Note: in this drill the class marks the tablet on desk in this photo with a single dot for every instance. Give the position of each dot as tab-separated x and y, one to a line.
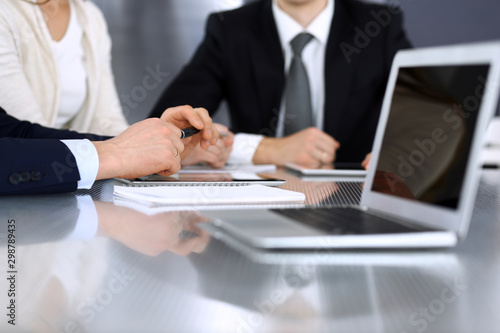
205	179
335	170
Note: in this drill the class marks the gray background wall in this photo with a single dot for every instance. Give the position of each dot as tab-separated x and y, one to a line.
163	34
440	22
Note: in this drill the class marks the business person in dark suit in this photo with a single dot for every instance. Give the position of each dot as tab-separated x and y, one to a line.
36	159
246	58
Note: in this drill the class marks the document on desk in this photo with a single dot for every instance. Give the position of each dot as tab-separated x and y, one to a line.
201	197
229	168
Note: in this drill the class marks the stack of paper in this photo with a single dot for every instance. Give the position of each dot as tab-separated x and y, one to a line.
200	197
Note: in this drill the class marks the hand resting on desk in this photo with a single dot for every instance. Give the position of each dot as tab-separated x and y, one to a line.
310	147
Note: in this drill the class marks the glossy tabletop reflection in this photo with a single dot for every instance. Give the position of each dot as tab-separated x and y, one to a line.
79	263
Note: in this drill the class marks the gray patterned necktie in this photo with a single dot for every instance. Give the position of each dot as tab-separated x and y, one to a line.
298	107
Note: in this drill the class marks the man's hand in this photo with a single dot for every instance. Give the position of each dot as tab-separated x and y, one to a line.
185	116
310	147
154	145
146	147
215	156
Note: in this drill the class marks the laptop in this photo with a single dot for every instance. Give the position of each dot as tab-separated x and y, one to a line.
420	189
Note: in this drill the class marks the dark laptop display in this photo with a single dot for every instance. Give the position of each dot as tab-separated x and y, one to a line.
429	133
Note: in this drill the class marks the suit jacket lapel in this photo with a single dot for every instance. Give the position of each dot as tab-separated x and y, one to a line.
267	67
338	72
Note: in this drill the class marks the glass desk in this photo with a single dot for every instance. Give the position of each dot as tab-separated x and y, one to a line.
82	264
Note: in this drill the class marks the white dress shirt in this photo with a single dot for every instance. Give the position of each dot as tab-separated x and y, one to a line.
87	161
313	57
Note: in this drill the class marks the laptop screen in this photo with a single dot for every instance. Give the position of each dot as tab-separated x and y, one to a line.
429	133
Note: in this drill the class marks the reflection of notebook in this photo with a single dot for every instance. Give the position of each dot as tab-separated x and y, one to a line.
421	186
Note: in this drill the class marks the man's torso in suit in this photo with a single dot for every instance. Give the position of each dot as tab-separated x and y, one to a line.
240	60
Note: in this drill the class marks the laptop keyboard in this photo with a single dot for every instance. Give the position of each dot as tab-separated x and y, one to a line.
345	221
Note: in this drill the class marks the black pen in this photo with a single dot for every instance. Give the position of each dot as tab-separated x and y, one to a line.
187	132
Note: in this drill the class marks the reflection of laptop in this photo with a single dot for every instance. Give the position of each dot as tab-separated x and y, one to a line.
421	185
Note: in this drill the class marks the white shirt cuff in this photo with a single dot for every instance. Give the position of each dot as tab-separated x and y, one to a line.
244	148
87	161
87	223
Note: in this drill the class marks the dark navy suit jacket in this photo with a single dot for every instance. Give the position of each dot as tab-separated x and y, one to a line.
33	160
240	60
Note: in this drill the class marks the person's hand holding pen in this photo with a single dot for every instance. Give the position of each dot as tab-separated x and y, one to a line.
154	145
184	117
216	155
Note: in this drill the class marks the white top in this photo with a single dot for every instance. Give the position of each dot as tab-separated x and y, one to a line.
313	57
70	61
30	81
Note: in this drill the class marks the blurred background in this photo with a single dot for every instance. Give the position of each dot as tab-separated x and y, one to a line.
161	35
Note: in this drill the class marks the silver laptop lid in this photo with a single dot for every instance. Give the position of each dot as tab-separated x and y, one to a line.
425	162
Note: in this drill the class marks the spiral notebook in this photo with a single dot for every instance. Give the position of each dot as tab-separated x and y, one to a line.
199	196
